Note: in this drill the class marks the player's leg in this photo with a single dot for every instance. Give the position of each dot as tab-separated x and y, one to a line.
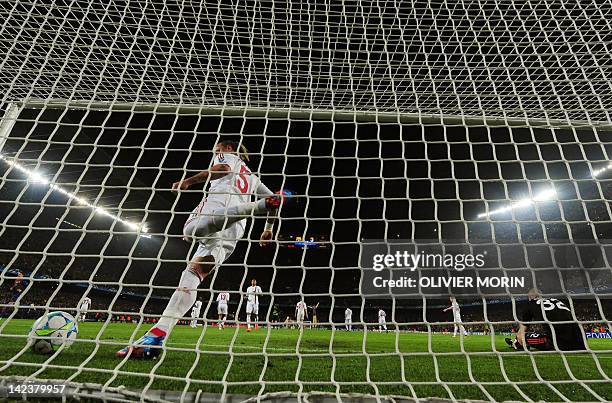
224	317
185	295
300	319
533	340
181	301
193	319
256	314
249	311
216	218
459	323
455	330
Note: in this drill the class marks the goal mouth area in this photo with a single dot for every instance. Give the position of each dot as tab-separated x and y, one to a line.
493	119
337	120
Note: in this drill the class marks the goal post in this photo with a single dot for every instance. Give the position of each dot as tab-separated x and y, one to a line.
324	269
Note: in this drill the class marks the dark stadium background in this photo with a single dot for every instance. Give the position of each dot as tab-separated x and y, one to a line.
352	181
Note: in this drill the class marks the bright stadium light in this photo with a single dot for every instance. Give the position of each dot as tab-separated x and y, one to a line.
600	171
548	194
37	177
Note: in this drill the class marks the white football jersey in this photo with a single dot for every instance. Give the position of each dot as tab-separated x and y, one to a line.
222	298
253	294
237	186
197	305
301	306
381	314
348	313
455	306
85	303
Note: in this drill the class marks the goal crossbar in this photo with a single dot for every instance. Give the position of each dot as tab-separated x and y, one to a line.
318	114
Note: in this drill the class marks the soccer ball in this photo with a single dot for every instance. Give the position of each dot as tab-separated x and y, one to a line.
51	331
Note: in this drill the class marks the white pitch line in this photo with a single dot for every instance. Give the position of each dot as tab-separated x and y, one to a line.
250	347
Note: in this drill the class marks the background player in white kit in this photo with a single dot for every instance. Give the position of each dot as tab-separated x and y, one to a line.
252	308
382	320
195	313
222	300
456	316
348	318
216	224
300	313
83	308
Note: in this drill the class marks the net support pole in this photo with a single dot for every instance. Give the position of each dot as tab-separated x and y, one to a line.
8	122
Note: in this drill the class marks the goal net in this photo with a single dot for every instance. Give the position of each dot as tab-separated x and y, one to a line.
474	133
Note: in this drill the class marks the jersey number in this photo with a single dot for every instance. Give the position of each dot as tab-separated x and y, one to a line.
241	183
550	304
222	297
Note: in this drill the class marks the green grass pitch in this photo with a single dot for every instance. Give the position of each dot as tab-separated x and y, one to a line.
384	363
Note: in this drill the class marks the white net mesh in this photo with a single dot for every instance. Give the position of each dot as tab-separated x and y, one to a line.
388	120
546	59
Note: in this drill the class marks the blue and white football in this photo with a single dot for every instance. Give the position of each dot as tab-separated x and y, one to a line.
51	331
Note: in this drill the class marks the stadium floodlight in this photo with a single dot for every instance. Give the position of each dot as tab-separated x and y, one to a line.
600	171
37	177
545	195
33	176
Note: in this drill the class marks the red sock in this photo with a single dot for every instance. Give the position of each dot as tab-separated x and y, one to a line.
157	332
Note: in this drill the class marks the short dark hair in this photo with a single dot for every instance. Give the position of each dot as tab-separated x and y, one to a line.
237	146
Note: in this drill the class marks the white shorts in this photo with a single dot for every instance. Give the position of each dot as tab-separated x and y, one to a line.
300	316
222	309
195	314
252	308
347	320
382	321
218	244
457	318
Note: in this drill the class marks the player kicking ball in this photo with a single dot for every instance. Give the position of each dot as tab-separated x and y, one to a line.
252	308
222	300
217	223
568	335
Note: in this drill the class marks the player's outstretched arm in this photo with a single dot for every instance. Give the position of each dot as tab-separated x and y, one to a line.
268	232
215	172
